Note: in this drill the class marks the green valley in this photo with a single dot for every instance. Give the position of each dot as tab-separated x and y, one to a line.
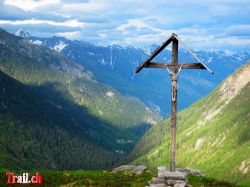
57	119
55	115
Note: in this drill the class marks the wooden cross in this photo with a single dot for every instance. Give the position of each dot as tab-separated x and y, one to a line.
174	66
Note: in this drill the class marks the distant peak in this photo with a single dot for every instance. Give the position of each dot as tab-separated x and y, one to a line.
22	33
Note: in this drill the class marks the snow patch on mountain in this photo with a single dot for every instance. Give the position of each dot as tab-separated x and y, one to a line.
147	50
102	61
22	33
37	42
91	53
60	46
2	42
210	59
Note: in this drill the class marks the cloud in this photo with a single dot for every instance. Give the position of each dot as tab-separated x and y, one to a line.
70	23
9	12
239	30
77	9
74	1
30	4
202	24
69	35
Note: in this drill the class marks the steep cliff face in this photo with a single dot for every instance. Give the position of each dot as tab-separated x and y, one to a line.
213	134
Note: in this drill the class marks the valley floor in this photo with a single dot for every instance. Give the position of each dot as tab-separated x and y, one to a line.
106	178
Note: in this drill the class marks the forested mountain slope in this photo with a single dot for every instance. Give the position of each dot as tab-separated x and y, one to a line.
68	99
36	134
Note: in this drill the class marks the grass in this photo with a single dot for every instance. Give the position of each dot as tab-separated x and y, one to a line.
197	181
103	178
224	152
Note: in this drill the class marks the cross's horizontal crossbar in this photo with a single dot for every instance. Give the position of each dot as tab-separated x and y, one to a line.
179	65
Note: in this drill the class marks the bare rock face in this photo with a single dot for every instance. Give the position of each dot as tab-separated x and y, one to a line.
234	83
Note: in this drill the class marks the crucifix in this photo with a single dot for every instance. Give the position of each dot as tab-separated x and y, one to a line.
174	66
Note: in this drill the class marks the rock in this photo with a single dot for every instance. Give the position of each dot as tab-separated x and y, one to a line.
130	168
172	182
196	172
158	185
158	181
176	175
180	185
139	169
123	168
161	172
169	179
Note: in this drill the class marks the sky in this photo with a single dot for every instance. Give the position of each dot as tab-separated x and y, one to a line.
204	24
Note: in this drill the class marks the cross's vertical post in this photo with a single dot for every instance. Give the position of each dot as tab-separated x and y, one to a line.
173	104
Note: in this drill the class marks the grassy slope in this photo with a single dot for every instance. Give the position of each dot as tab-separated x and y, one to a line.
219	146
106	178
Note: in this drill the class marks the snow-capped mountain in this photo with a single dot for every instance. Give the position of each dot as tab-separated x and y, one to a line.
22	33
115	65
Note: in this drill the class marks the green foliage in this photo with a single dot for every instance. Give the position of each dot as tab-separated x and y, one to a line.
212	135
56	113
198	181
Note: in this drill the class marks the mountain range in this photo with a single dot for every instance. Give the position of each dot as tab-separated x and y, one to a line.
115	65
74	105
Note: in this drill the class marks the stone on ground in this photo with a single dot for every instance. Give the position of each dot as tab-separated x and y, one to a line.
176	175
169	179
139	169
130	168
161	172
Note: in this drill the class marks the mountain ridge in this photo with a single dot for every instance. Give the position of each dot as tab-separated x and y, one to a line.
115	65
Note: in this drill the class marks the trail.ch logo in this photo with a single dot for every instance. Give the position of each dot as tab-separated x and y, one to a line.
24	179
